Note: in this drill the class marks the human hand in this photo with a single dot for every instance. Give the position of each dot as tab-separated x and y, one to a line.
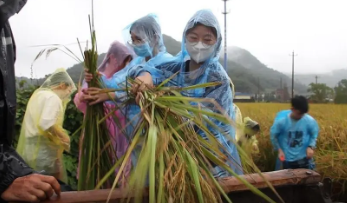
142	84
309	152
137	90
31	188
95	96
99	98
91	91
82	96
281	155
88	76
66	146
66	139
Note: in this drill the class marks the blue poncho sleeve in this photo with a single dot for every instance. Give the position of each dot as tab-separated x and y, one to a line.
275	131
313	131
225	133
222	95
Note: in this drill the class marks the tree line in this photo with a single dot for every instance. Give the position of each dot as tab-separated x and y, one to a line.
321	93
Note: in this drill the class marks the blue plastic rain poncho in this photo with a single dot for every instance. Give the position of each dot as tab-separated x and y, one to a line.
210	71
145	37
293	136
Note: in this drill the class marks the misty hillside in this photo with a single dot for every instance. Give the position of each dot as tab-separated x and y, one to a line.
269	78
172	46
244	57
74	72
244	69
331	79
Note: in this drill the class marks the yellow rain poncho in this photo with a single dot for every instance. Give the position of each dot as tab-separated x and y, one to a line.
239	123
42	139
245	132
245	136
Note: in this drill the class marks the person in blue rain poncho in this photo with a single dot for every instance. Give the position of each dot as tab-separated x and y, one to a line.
197	63
293	135
145	38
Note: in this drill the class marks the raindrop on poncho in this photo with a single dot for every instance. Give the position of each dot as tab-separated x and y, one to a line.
42	139
210	71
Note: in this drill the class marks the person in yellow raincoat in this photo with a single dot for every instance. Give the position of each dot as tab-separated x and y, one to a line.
246	130
42	139
246	137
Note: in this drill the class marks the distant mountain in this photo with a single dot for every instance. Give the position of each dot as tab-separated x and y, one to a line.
244	69
331	79
244	57
269	79
172	46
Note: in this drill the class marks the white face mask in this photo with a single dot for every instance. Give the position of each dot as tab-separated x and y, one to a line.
199	52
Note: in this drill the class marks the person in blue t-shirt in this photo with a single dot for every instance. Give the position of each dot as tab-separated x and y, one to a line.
294	134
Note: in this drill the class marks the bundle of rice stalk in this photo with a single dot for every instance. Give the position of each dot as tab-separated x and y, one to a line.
175	162
97	152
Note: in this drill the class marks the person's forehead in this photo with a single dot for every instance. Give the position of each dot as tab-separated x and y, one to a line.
201	30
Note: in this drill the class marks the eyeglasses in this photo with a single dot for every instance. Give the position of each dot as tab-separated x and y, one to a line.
194	40
136	42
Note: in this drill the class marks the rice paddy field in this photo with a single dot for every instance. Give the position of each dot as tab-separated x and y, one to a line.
330	155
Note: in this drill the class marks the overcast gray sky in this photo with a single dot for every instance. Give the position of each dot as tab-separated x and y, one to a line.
269	29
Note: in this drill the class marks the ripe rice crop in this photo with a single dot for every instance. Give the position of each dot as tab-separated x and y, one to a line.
330	155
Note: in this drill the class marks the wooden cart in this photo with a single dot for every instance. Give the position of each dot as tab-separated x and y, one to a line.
294	186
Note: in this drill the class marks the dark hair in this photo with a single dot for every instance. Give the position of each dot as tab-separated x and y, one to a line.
252	126
127	59
300	103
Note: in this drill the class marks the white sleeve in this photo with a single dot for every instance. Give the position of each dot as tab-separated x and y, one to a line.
50	111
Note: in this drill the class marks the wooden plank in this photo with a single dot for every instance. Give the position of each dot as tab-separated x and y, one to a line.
276	178
229	184
95	196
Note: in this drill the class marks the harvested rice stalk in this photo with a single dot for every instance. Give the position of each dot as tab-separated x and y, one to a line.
175	162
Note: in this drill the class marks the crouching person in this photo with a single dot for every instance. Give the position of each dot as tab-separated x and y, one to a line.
251	129
42	139
246	132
